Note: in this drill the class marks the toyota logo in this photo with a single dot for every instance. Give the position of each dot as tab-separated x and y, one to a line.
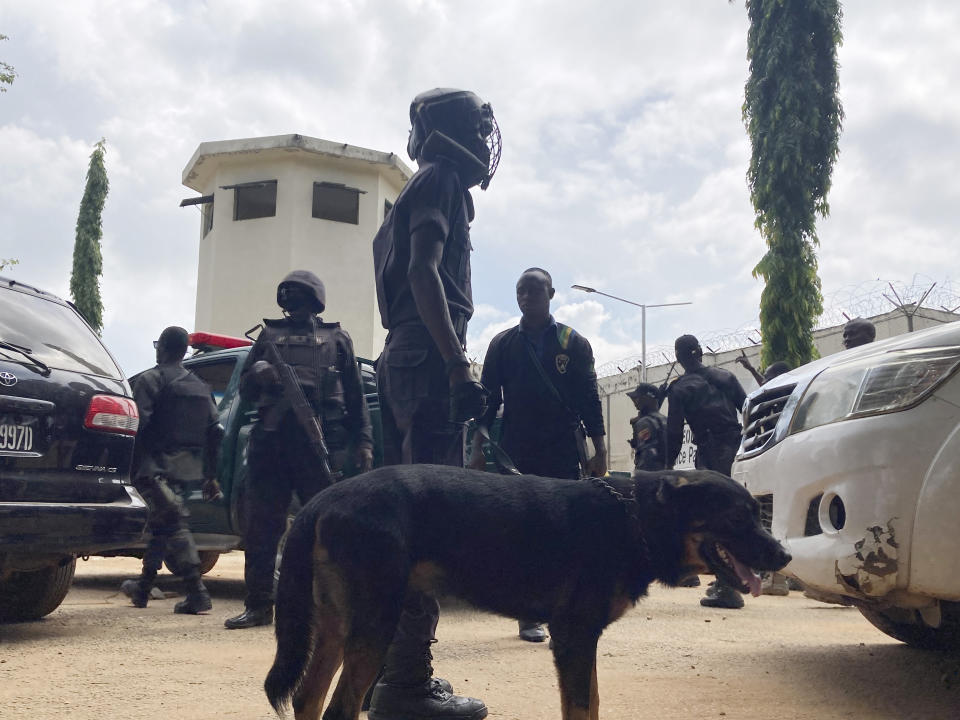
8	379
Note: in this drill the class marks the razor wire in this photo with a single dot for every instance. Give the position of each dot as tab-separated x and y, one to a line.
867	299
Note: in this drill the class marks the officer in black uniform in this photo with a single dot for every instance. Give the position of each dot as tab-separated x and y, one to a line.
708	399
177	444
649	439
542	371
422	262
280	458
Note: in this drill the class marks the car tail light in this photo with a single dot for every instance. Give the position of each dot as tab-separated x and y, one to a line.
112	413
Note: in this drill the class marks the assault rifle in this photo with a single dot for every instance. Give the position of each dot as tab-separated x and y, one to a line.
293	394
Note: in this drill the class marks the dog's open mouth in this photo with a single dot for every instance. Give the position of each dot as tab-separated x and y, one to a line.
730	570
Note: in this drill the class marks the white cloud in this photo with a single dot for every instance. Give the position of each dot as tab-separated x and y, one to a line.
624	151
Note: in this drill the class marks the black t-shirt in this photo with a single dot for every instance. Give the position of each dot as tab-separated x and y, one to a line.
434	196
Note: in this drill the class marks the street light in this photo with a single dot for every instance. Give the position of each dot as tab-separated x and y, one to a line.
643	323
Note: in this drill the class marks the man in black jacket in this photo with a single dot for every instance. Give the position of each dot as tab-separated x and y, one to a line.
542	372
177	444
708	399
279	455
649	438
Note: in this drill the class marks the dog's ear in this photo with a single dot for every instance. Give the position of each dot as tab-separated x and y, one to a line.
669	485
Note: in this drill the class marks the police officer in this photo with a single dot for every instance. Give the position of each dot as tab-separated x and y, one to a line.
773	370
649	439
542	371
280	458
422	262
177	444
858	332
708	399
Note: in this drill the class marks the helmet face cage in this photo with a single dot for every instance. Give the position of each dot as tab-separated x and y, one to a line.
466	119
490	132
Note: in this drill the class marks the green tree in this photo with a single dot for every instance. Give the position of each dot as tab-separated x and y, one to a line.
7	73
793	117
87	259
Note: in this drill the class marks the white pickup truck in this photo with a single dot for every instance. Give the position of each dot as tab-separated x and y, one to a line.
856	461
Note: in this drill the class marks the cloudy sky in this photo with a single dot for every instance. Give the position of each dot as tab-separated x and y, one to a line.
624	150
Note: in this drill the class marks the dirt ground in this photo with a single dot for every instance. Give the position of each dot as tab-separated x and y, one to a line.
782	658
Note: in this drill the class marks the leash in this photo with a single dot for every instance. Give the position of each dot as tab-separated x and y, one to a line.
631	507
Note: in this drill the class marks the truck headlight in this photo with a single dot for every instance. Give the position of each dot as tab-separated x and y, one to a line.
879	384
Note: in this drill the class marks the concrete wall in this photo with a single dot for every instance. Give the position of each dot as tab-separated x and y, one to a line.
618	408
241	262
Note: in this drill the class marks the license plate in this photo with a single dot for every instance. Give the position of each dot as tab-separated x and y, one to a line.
17	435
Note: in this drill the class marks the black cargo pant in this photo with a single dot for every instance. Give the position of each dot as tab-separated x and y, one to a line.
167	524
279	463
717	451
414	406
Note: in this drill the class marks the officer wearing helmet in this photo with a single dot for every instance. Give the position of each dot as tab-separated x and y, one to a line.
280	459
649	439
177	444
427	392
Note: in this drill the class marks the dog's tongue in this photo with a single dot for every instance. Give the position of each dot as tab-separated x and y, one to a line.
749	577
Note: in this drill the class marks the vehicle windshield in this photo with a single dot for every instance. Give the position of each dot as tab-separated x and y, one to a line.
53	333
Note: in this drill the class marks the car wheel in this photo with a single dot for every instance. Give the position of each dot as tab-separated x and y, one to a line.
906	625
208	558
30	595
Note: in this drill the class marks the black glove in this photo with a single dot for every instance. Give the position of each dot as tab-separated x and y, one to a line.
265	375
468	401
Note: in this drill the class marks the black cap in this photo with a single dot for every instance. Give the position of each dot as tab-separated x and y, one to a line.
645	390
686	346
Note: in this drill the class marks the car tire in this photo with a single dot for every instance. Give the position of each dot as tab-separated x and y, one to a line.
31	595
905	624
208	558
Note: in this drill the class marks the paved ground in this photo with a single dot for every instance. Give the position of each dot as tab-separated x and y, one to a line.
780	658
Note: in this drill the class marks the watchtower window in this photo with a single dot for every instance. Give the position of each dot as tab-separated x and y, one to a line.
333	201
254	200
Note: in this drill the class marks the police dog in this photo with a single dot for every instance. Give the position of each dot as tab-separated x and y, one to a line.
573	554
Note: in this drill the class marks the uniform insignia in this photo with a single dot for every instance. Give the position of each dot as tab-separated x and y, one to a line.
643	435
562	362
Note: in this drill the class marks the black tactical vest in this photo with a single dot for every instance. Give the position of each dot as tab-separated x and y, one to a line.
314	355
181	413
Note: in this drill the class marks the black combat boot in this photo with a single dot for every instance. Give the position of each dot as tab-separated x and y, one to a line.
722	596
134	590
251	617
197	600
532	631
408	691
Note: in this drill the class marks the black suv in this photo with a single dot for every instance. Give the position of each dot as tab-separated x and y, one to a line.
67	427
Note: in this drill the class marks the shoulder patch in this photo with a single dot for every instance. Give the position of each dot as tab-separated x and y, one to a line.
564	334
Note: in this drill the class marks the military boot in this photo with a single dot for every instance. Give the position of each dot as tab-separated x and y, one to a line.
197	600
408	690
532	631
135	590
426	701
723	596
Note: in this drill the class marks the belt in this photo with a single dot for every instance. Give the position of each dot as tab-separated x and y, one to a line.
459	322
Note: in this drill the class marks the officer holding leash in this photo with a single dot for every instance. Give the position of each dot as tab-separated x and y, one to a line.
177	444
543	373
427	392
708	399
286	449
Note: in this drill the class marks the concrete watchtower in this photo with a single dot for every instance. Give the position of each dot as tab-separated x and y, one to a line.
270	205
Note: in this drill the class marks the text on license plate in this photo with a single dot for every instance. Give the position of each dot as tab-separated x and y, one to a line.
16	437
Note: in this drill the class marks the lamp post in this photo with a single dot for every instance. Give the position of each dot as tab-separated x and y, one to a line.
643	320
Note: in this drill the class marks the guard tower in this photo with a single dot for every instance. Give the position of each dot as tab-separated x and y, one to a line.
270	205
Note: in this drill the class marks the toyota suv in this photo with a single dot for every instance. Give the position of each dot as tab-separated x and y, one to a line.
855	459
67	427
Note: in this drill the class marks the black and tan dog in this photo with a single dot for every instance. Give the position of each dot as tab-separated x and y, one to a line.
574	554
